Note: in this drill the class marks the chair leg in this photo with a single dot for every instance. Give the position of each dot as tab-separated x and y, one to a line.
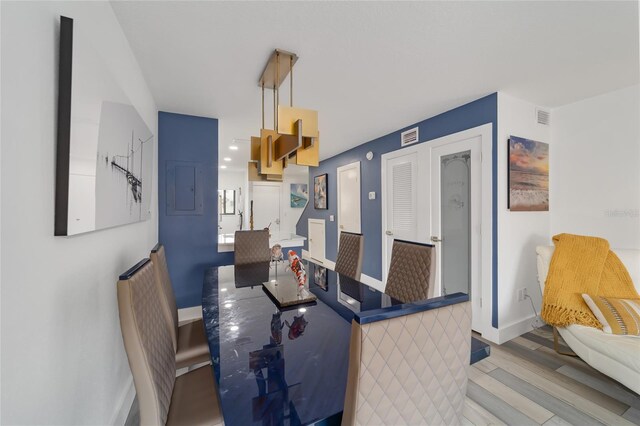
556	346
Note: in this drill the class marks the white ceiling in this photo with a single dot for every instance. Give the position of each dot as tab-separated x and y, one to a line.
372	68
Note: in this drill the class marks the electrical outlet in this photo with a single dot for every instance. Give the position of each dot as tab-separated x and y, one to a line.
537	322
521	293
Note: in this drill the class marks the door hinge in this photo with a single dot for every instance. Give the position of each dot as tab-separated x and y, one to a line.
481	302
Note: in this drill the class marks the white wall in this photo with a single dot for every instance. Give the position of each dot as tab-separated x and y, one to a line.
63	360
518	232
236	180
595	162
289	216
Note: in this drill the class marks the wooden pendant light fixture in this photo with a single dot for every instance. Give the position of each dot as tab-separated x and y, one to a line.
294	138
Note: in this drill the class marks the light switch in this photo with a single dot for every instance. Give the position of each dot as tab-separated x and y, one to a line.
331	218
372	195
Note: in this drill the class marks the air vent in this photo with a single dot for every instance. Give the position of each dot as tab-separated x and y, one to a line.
543	117
409	137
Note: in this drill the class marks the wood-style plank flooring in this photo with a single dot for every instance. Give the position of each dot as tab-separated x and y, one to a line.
525	382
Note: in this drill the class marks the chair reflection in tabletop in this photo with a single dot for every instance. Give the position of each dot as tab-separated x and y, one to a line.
276	399
251	274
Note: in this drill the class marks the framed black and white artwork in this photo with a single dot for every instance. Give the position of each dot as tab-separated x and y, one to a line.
104	155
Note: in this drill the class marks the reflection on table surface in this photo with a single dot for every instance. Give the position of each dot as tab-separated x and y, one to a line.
281	366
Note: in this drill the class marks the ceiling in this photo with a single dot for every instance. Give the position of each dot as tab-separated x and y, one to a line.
372	68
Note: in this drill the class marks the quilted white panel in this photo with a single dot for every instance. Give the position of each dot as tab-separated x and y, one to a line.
413	369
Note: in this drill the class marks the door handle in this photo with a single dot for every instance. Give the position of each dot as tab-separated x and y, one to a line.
436	240
389	233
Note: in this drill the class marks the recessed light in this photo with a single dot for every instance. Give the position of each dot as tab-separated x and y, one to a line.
223	289
233	147
227	158
223	167
302	310
234	328
228	305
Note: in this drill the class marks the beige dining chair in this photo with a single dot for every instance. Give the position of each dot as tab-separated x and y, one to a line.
251	247
350	251
411	271
190	399
411	369
190	339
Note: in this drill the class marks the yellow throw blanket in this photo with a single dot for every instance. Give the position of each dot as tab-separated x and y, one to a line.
582	265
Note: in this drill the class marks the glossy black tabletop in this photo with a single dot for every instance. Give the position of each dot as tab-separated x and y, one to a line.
284	366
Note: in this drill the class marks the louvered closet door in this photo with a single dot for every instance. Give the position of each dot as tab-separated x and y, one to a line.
401	200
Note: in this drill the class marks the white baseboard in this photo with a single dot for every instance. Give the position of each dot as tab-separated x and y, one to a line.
516	329
189	314
124	405
329	264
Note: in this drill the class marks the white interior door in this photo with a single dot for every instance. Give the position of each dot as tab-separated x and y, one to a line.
317	239
349	198
455	219
399	201
266	207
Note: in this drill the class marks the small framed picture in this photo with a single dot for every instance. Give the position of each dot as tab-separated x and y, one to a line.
320	192
320	277
528	175
299	195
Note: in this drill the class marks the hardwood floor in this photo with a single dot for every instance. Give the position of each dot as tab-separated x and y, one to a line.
525	382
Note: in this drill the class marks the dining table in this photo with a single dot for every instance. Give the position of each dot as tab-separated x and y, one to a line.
283	362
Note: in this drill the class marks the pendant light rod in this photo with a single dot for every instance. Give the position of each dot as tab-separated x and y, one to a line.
268	77
262	106
277	89
291	81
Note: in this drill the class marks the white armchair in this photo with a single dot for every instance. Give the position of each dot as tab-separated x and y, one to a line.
616	356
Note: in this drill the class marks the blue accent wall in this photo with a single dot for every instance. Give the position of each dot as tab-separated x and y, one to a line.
187	201
473	114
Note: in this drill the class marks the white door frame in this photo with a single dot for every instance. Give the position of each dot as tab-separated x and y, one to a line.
486	226
354	165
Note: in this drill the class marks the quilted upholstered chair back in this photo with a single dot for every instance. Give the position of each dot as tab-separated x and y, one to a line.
251	247
411	271
163	280
147	341
350	251
410	369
